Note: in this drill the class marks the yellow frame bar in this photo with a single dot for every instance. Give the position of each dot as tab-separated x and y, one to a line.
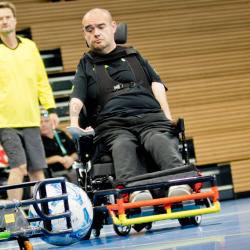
120	208
124	221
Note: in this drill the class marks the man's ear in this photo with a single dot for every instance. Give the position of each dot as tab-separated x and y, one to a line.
85	41
15	23
114	26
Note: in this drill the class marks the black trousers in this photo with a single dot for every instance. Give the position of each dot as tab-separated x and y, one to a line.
123	136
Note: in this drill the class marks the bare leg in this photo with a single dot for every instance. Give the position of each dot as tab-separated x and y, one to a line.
36	175
16	176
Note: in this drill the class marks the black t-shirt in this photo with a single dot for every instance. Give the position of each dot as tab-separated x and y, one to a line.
52	148
136	100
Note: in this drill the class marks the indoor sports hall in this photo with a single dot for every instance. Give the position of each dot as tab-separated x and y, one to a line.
201	51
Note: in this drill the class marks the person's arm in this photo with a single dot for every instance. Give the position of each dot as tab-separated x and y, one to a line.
74	156
45	93
54	119
55	159
160	95
158	87
75	107
69	160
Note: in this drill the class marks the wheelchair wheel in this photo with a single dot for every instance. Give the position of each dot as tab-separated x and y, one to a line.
148	226
87	236
122	230
194	220
96	232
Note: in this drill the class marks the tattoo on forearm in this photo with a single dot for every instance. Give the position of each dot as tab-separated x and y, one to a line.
75	109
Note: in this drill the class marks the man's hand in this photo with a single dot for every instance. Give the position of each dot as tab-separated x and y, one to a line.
68	161
54	120
174	123
88	129
76	131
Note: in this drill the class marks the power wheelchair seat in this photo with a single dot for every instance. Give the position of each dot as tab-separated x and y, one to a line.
97	178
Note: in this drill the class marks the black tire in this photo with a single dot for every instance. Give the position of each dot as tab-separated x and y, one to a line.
122	230
97	232
194	220
87	236
148	226
184	221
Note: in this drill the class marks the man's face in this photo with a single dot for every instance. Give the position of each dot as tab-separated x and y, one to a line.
99	32
7	21
46	126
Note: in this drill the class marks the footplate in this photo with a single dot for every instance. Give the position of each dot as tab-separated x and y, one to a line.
175	207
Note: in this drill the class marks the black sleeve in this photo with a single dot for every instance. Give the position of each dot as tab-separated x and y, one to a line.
79	89
150	71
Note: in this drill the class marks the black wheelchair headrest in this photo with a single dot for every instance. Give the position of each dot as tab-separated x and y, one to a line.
121	33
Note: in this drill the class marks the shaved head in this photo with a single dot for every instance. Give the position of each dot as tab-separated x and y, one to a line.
95	12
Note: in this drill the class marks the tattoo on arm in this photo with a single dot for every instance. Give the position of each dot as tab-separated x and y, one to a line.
75	107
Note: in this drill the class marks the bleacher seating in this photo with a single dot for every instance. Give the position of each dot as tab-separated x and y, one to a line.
52	60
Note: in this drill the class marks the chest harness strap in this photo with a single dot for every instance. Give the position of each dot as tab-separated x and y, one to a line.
108	88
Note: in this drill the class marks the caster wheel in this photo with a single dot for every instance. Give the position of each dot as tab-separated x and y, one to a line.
184	221
96	232
122	230
148	226
195	220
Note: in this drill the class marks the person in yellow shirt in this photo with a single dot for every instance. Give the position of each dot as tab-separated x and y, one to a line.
24	86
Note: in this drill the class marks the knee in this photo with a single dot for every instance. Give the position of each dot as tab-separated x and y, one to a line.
20	170
160	139
123	144
153	138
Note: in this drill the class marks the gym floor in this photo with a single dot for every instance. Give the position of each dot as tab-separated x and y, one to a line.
227	230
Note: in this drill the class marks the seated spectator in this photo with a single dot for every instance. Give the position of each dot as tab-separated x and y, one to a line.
59	148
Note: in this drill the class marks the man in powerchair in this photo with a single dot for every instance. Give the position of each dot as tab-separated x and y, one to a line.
125	102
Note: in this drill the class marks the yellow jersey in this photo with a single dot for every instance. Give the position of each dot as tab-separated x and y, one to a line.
24	85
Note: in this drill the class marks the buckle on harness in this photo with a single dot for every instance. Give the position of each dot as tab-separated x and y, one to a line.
118	86
124	85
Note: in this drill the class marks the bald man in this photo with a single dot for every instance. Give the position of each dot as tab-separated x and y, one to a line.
125	101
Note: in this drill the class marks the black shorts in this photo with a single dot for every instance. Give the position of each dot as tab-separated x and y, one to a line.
23	146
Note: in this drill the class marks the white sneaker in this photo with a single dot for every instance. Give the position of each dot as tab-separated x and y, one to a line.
141	196
179	190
